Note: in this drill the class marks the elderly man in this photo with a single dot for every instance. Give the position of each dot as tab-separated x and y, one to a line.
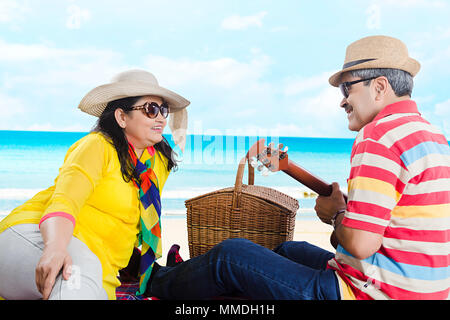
392	232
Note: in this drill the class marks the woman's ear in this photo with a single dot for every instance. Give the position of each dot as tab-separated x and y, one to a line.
120	116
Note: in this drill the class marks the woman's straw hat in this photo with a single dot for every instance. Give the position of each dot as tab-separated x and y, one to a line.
133	83
376	52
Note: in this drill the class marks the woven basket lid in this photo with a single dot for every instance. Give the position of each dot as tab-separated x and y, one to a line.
268	194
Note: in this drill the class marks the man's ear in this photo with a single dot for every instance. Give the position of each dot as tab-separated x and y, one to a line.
381	85
120	116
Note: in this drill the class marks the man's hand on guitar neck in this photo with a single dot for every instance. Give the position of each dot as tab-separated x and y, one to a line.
326	207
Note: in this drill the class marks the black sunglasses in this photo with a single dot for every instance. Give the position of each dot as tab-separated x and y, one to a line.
345	86
152	109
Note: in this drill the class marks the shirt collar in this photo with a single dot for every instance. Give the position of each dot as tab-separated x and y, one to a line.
405	106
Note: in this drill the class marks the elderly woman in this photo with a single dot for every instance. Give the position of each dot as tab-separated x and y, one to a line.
70	241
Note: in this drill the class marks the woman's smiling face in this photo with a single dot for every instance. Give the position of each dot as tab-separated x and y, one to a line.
140	130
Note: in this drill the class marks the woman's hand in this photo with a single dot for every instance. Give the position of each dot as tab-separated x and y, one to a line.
56	233
53	259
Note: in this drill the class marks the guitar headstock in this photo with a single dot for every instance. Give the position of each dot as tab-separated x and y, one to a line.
270	158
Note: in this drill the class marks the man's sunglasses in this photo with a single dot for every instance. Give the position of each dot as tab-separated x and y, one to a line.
152	109
345	86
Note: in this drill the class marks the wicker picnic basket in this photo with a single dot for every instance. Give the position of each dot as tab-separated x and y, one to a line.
260	214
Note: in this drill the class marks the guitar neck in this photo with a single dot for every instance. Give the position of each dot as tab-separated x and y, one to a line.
308	179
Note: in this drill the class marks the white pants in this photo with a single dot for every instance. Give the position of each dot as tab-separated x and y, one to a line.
21	249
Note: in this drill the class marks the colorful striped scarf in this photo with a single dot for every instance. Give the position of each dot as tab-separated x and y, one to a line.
150	231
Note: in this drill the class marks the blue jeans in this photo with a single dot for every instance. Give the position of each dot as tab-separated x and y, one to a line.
293	271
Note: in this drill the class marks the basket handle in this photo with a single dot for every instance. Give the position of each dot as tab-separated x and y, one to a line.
239	177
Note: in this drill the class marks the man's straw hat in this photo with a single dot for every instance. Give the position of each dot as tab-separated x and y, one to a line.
133	83
376	52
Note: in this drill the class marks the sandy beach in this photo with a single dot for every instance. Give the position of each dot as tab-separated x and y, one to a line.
174	230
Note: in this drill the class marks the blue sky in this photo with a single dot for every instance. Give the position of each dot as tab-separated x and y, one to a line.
248	67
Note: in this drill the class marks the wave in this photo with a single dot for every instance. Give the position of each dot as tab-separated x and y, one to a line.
17	194
298	193
180	213
195	192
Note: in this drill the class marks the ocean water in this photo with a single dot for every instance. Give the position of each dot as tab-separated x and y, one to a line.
29	163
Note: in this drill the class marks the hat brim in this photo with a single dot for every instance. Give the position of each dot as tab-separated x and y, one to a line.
95	101
411	66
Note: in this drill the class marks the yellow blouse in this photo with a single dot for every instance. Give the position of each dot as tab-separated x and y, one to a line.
106	209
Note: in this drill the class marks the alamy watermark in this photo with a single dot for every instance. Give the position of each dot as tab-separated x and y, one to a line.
215	147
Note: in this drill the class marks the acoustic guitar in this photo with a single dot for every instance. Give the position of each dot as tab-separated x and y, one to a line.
275	159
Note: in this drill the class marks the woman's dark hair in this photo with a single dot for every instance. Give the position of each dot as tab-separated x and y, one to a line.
108	125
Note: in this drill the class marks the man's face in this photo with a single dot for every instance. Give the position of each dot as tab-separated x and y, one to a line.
360	103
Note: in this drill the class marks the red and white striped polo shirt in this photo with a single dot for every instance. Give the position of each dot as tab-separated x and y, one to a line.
399	187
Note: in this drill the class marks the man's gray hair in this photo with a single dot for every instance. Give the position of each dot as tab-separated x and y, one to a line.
401	81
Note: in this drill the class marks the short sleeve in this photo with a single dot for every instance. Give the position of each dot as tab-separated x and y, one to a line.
374	187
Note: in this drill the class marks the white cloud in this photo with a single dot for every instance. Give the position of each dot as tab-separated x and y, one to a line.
441	117
373	13
10	106
319	115
442	108
224	72
296	86
11	109
62	66
11	10
414	3
15	52
37	78
69	74
237	22
279	29
313	107
247	105
76	16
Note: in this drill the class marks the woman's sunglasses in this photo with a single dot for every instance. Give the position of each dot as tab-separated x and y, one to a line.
152	109
345	86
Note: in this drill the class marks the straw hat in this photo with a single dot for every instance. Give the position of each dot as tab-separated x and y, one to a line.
376	52
133	83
